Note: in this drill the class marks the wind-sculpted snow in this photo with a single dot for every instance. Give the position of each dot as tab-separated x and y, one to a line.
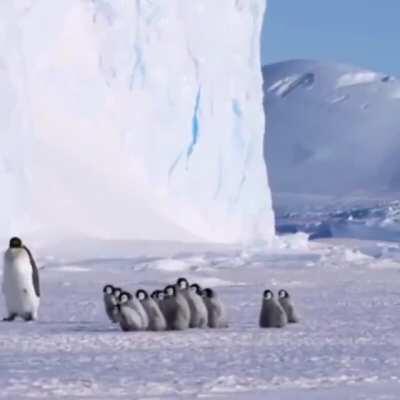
116	119
345	346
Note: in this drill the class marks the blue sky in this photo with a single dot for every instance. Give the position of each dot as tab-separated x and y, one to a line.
364	33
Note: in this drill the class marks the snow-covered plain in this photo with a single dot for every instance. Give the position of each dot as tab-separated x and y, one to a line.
346	346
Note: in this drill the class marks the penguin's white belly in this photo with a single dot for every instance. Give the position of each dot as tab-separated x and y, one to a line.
18	287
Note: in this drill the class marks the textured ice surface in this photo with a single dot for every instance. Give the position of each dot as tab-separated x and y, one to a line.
362	218
133	119
346	345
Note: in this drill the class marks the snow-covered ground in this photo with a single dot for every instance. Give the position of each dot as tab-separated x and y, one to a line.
346	346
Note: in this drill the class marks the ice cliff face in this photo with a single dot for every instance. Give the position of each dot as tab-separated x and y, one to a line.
133	119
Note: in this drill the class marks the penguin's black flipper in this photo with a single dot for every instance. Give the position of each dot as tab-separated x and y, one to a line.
35	272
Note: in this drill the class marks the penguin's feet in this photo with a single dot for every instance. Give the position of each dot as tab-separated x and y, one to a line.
28	317
10	318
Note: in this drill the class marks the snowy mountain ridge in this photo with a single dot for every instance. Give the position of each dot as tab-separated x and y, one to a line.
332	148
331	120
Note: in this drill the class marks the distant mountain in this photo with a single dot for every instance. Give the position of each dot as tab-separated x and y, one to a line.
331	129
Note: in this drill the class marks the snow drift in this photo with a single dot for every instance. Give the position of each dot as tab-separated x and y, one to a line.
133	119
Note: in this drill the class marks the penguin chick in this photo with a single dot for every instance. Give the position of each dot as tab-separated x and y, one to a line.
130	319
196	288
182	284
110	303
176	309
135	304
286	303
116	293
217	316
157	320
159	297
198	310
272	314
21	286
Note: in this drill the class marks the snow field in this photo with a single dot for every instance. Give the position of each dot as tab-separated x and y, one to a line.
346	344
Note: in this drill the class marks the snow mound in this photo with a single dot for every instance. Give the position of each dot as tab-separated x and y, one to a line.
116	123
168	265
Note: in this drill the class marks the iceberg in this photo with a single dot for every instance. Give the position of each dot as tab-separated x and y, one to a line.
137	120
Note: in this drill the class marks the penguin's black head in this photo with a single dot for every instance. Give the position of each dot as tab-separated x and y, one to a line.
141	294
117	292
283	294
196	288
15	243
268	294
157	295
124	297
182	283
170	291
207	292
108	289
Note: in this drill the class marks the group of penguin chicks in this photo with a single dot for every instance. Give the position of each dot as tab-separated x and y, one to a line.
177	307
277	314
181	306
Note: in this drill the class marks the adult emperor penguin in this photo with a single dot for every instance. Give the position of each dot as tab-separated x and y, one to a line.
176	309
130	319
217	316
198	310
272	314
157	320
21	286
286	303
110	303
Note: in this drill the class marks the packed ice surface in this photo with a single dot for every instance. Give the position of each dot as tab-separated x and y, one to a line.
346	345
133	119
362	218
